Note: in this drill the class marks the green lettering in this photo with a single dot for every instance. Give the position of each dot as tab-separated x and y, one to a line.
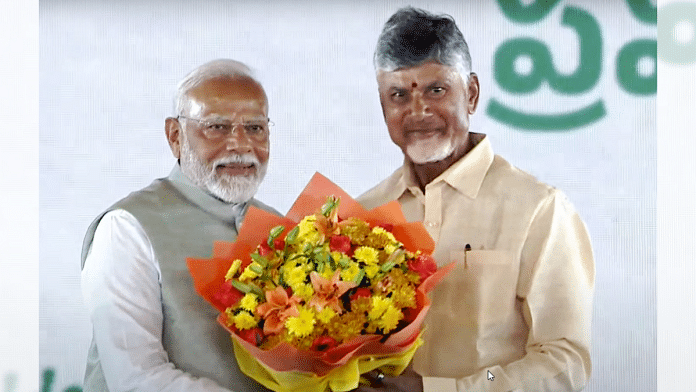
627	67
47	380
585	76
516	11
504	71
546	122
588	71
643	11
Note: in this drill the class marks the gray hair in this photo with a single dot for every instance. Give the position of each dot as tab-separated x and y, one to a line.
413	36
211	70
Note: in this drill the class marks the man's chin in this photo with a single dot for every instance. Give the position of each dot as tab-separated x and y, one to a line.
423	155
235	189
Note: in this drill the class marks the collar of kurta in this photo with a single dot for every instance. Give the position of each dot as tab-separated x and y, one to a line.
232	213
465	175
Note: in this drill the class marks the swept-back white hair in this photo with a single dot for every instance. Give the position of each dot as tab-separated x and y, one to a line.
210	70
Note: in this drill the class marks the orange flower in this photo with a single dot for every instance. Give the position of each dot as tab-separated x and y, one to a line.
327	227
277	308
327	291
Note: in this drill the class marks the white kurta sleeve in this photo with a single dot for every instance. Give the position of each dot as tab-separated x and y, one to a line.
121	289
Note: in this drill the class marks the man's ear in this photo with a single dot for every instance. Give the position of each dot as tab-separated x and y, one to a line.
473	92
172	128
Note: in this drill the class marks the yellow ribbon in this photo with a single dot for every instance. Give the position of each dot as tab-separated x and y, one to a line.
342	379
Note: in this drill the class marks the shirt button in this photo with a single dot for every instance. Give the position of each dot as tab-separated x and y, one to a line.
431	224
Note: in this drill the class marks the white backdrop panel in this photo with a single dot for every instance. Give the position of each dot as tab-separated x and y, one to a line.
108	70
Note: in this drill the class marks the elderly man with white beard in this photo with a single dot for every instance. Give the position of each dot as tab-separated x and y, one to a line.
151	330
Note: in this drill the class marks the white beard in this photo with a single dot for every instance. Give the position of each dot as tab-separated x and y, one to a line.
230	189
432	149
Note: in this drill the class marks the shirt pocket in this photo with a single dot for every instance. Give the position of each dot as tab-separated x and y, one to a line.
487	285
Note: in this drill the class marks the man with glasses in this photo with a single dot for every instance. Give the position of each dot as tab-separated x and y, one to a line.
151	330
514	314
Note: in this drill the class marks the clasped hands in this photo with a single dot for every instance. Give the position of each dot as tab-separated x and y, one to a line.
408	381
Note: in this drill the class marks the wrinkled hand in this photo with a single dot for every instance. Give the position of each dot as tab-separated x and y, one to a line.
408	381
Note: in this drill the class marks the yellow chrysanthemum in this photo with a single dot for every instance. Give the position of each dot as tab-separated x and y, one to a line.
230	314
403	292
304	291
308	232
347	326
249	302
413	277
390	248
405	297
379	238
379	306
349	274
326	315
249	274
371	270
306	225
303	324
382	232
336	256
244	320
327	273
233	269
361	305
295	275
366	254
356	230
390	319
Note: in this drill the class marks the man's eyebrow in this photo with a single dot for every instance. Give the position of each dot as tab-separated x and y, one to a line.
438	83
397	88
213	117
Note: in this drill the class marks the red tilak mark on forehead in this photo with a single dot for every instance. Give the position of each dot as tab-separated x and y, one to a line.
414	85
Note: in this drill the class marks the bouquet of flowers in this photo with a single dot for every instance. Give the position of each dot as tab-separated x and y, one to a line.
323	295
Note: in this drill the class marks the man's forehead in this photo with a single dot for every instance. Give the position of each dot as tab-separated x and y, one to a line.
243	93
423	73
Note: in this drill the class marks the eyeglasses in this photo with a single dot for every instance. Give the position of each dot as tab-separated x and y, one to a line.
215	130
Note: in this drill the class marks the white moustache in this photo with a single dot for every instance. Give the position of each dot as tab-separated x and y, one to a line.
244	159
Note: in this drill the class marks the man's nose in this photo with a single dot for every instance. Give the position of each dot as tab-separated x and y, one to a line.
237	140
419	106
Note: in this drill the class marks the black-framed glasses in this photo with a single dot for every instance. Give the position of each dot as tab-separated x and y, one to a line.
218	129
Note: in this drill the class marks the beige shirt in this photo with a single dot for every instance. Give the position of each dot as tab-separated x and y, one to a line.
519	303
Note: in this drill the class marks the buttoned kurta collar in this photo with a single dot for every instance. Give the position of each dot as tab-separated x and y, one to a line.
232	213
466	175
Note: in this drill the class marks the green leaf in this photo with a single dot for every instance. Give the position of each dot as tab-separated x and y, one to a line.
344	262
257	290
263	262
256	268
292	235
359	276
386	267
241	286
275	232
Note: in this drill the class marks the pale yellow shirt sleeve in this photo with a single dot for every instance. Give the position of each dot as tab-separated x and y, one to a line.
556	287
